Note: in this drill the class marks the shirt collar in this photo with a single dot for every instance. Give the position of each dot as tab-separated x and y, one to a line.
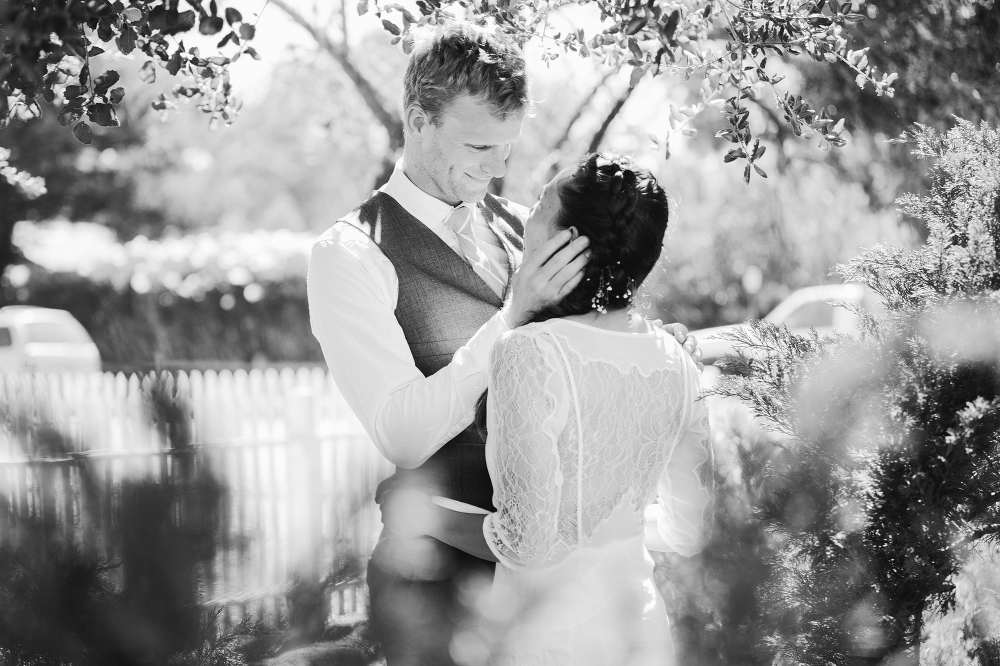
429	210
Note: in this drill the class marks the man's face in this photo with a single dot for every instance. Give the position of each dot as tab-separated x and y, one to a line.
467	148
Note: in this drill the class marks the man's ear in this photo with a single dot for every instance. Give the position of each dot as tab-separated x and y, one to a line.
415	122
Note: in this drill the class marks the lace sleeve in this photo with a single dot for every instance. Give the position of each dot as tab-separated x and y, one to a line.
685	488
527	410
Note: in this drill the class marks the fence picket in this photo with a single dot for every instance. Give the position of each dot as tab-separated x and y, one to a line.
297	469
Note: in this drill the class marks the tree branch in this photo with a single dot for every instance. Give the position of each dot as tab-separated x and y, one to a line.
595	142
382	111
553	157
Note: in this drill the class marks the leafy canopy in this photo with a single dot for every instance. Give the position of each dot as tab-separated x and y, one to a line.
727	43
47	46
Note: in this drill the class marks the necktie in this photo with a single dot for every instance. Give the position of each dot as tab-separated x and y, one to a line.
460	222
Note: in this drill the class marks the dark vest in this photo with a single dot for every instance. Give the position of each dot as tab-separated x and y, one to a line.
442	302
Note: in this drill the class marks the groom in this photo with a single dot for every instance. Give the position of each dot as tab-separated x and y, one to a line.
407	295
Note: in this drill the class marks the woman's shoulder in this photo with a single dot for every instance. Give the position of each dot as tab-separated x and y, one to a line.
531	331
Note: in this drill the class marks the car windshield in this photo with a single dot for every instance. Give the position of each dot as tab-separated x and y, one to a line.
816	314
53	332
5	340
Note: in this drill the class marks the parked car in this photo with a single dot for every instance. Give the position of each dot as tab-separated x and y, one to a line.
34	339
810	307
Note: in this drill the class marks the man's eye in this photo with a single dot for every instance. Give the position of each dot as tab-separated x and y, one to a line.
480	148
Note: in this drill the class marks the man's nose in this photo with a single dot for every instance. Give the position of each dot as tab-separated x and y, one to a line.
496	162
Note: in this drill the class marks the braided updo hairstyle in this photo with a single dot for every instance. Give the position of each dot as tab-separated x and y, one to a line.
624	212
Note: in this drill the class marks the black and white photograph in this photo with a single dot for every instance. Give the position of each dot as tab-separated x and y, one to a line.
499	333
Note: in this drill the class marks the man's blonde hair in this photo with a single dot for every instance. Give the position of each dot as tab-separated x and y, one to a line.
460	58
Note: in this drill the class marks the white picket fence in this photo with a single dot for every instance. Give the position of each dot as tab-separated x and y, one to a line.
298	472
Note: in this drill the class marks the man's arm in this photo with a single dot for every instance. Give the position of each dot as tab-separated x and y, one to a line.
351	289
412	513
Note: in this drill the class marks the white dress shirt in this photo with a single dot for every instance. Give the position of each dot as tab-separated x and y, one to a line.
353	289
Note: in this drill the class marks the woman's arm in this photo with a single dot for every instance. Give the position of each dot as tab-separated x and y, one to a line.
463	531
527	411
682	517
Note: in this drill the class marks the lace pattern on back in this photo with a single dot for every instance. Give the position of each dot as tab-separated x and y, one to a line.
576	439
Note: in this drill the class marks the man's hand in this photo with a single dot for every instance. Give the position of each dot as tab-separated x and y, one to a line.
546	276
689	342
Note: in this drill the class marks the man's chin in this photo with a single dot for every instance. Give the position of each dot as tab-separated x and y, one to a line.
475	195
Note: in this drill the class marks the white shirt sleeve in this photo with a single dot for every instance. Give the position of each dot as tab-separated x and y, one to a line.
352	297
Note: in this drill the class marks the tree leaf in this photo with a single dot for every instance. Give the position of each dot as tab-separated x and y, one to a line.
126	40
211	25
363	8
147	73
68	115
233	16
213	8
633	46
83	133
635	25
670	27
103	83
408	43
759	171
117	95
637	73
158	18
247	31
184	23
174	64
390	26
103	114
74	91
132	14
733	155
252	53
746	175
84	77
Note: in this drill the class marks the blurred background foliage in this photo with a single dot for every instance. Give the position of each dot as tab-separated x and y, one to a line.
860	512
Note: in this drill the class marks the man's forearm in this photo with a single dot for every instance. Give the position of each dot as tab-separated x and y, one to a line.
463	531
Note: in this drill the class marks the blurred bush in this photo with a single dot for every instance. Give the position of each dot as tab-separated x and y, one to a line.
127	594
231	297
857	519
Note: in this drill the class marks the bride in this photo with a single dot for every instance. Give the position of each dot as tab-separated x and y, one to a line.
596	436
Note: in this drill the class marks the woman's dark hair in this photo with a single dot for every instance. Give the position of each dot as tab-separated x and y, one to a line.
624	212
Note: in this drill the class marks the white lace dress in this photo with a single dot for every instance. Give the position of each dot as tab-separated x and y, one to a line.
587	429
